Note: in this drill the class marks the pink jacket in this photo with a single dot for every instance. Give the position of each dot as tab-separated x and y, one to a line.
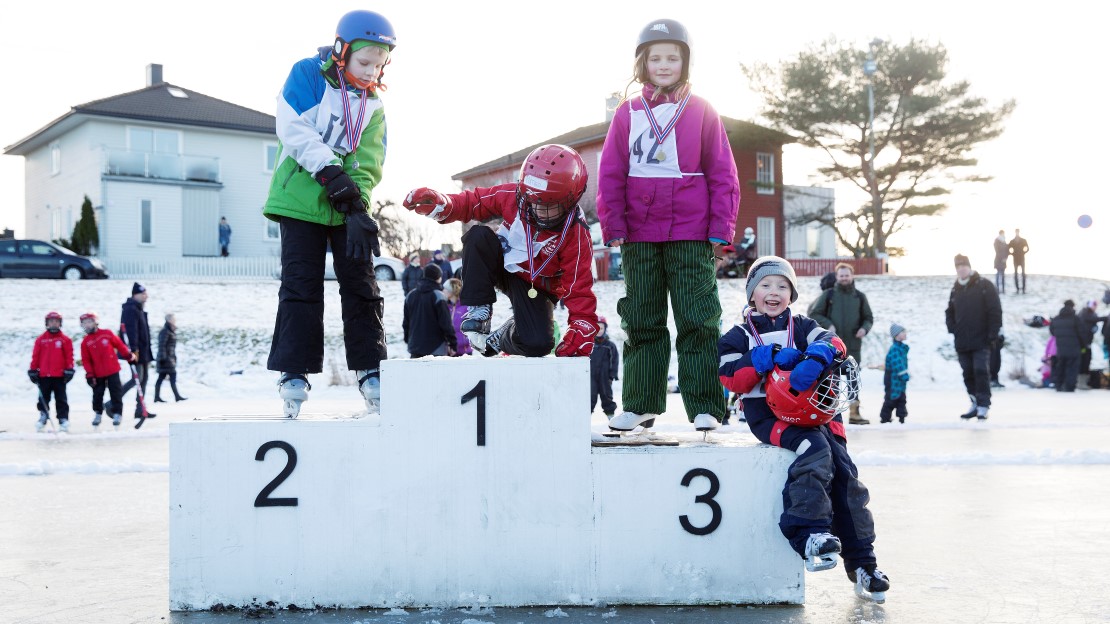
700	205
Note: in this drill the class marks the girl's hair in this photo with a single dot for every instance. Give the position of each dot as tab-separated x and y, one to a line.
640	73
454	285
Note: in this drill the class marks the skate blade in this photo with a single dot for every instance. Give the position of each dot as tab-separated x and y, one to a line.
875	597
291	409
477	341
819	563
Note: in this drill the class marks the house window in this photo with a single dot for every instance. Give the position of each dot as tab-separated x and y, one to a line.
153	141
273	230
764	173
146	222
55	159
269	157
765	236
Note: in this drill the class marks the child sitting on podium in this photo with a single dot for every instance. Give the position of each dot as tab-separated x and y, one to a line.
786	368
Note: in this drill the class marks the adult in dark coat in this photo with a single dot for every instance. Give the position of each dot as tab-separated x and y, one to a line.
1018	248
1088	322
427	325
440	260
137	336
167	359
974	318
844	309
1068	331
1001	255
412	274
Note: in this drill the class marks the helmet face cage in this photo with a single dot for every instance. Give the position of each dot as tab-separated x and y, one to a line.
837	388
551	176
832	393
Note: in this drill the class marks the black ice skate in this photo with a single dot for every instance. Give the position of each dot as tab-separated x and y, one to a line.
822	551
476	324
871	583
973	411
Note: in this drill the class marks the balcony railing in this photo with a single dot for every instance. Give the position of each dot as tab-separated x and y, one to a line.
161	166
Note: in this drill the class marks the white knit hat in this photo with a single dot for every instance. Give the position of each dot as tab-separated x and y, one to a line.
771	265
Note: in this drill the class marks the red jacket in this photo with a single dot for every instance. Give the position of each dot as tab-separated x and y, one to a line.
568	276
98	353
53	354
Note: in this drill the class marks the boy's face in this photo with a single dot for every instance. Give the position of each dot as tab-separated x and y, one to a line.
664	64
772	295
53	324
366	64
88	325
901	337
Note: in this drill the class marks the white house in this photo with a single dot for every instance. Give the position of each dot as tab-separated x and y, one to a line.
161	166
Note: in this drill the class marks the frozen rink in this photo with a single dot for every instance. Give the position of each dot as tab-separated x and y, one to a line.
1001	521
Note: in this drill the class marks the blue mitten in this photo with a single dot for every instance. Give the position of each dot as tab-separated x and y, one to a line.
822	352
818	357
763	358
788	358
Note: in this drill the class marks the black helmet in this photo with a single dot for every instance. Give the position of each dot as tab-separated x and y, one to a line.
664	30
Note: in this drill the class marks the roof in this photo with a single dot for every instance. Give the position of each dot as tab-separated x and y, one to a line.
156	103
740	134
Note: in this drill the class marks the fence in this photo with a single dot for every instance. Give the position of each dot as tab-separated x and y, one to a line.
196	268
820	266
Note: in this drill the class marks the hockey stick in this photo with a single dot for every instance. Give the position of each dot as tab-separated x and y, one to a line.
45	410
135	378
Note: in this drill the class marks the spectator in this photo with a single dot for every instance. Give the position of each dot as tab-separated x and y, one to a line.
1088	322
452	288
1048	362
1068	331
135	331
167	359
746	249
996	360
427	322
1001	255
1018	248
440	260
974	318
51	369
604	364
412	274
844	310
225	236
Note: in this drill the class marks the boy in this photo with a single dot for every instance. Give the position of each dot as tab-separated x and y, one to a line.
897	373
51	369
427	322
824	504
98	356
604	364
541	253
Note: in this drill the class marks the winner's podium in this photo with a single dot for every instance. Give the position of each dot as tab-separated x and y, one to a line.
477	485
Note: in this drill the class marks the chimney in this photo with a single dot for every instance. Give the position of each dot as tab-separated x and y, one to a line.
153	74
611	104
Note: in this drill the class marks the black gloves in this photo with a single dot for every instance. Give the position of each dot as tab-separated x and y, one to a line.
33	375
342	192
362	235
68	374
91	381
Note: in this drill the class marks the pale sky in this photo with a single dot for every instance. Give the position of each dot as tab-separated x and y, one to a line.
470	82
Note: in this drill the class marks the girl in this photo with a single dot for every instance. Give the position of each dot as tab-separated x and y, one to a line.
453	289
331	126
668	196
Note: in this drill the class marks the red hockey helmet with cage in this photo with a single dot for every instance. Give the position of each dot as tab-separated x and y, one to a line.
52	315
817	405
552	177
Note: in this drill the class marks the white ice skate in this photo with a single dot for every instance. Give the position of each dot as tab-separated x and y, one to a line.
293	389
476	324
822	551
116	419
43	417
63	426
96	420
705	423
370	385
871	583
627	421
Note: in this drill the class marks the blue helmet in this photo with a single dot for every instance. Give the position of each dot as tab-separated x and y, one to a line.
366	25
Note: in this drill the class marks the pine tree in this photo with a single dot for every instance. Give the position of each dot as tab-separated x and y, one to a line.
86	238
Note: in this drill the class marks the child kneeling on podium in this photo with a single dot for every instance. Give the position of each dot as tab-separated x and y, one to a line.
540	253
793	380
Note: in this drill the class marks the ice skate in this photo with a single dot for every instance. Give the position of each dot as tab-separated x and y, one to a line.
822	551
43	417
981	412
293	389
370	385
627	421
476	324
63	426
871	583
973	411
705	423
96	419
116	419
497	337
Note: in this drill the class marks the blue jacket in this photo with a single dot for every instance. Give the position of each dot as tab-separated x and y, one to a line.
897	369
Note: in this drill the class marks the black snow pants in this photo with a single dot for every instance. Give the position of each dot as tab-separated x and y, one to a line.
55	386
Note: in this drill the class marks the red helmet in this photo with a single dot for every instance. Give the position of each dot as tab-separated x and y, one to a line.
551	176
817	405
53	315
90	315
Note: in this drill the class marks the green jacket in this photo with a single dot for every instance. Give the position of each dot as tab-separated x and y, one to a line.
846	309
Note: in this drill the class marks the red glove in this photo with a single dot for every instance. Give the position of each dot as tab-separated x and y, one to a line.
429	203
579	339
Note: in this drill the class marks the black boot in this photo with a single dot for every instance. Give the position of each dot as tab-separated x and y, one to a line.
158	399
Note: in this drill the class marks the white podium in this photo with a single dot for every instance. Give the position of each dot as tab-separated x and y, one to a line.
477	485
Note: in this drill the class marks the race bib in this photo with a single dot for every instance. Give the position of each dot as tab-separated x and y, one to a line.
647	158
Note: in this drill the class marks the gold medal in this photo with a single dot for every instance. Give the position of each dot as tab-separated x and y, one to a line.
532	293
660	156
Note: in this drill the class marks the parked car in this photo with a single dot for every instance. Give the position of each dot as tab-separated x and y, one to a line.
385	268
35	258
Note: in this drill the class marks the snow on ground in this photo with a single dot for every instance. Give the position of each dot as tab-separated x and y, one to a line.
996	521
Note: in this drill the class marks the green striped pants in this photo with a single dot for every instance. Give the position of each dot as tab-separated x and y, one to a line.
686	270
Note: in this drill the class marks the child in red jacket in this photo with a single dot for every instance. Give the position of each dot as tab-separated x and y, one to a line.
540	253
98	356
51	369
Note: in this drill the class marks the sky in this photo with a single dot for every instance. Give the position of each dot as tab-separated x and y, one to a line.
470	82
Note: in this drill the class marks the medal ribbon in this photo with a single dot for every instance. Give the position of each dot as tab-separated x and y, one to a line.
660	132
354	132
532	271
759	340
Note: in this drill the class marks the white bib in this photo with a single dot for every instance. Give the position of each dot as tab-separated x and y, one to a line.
514	243
646	158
